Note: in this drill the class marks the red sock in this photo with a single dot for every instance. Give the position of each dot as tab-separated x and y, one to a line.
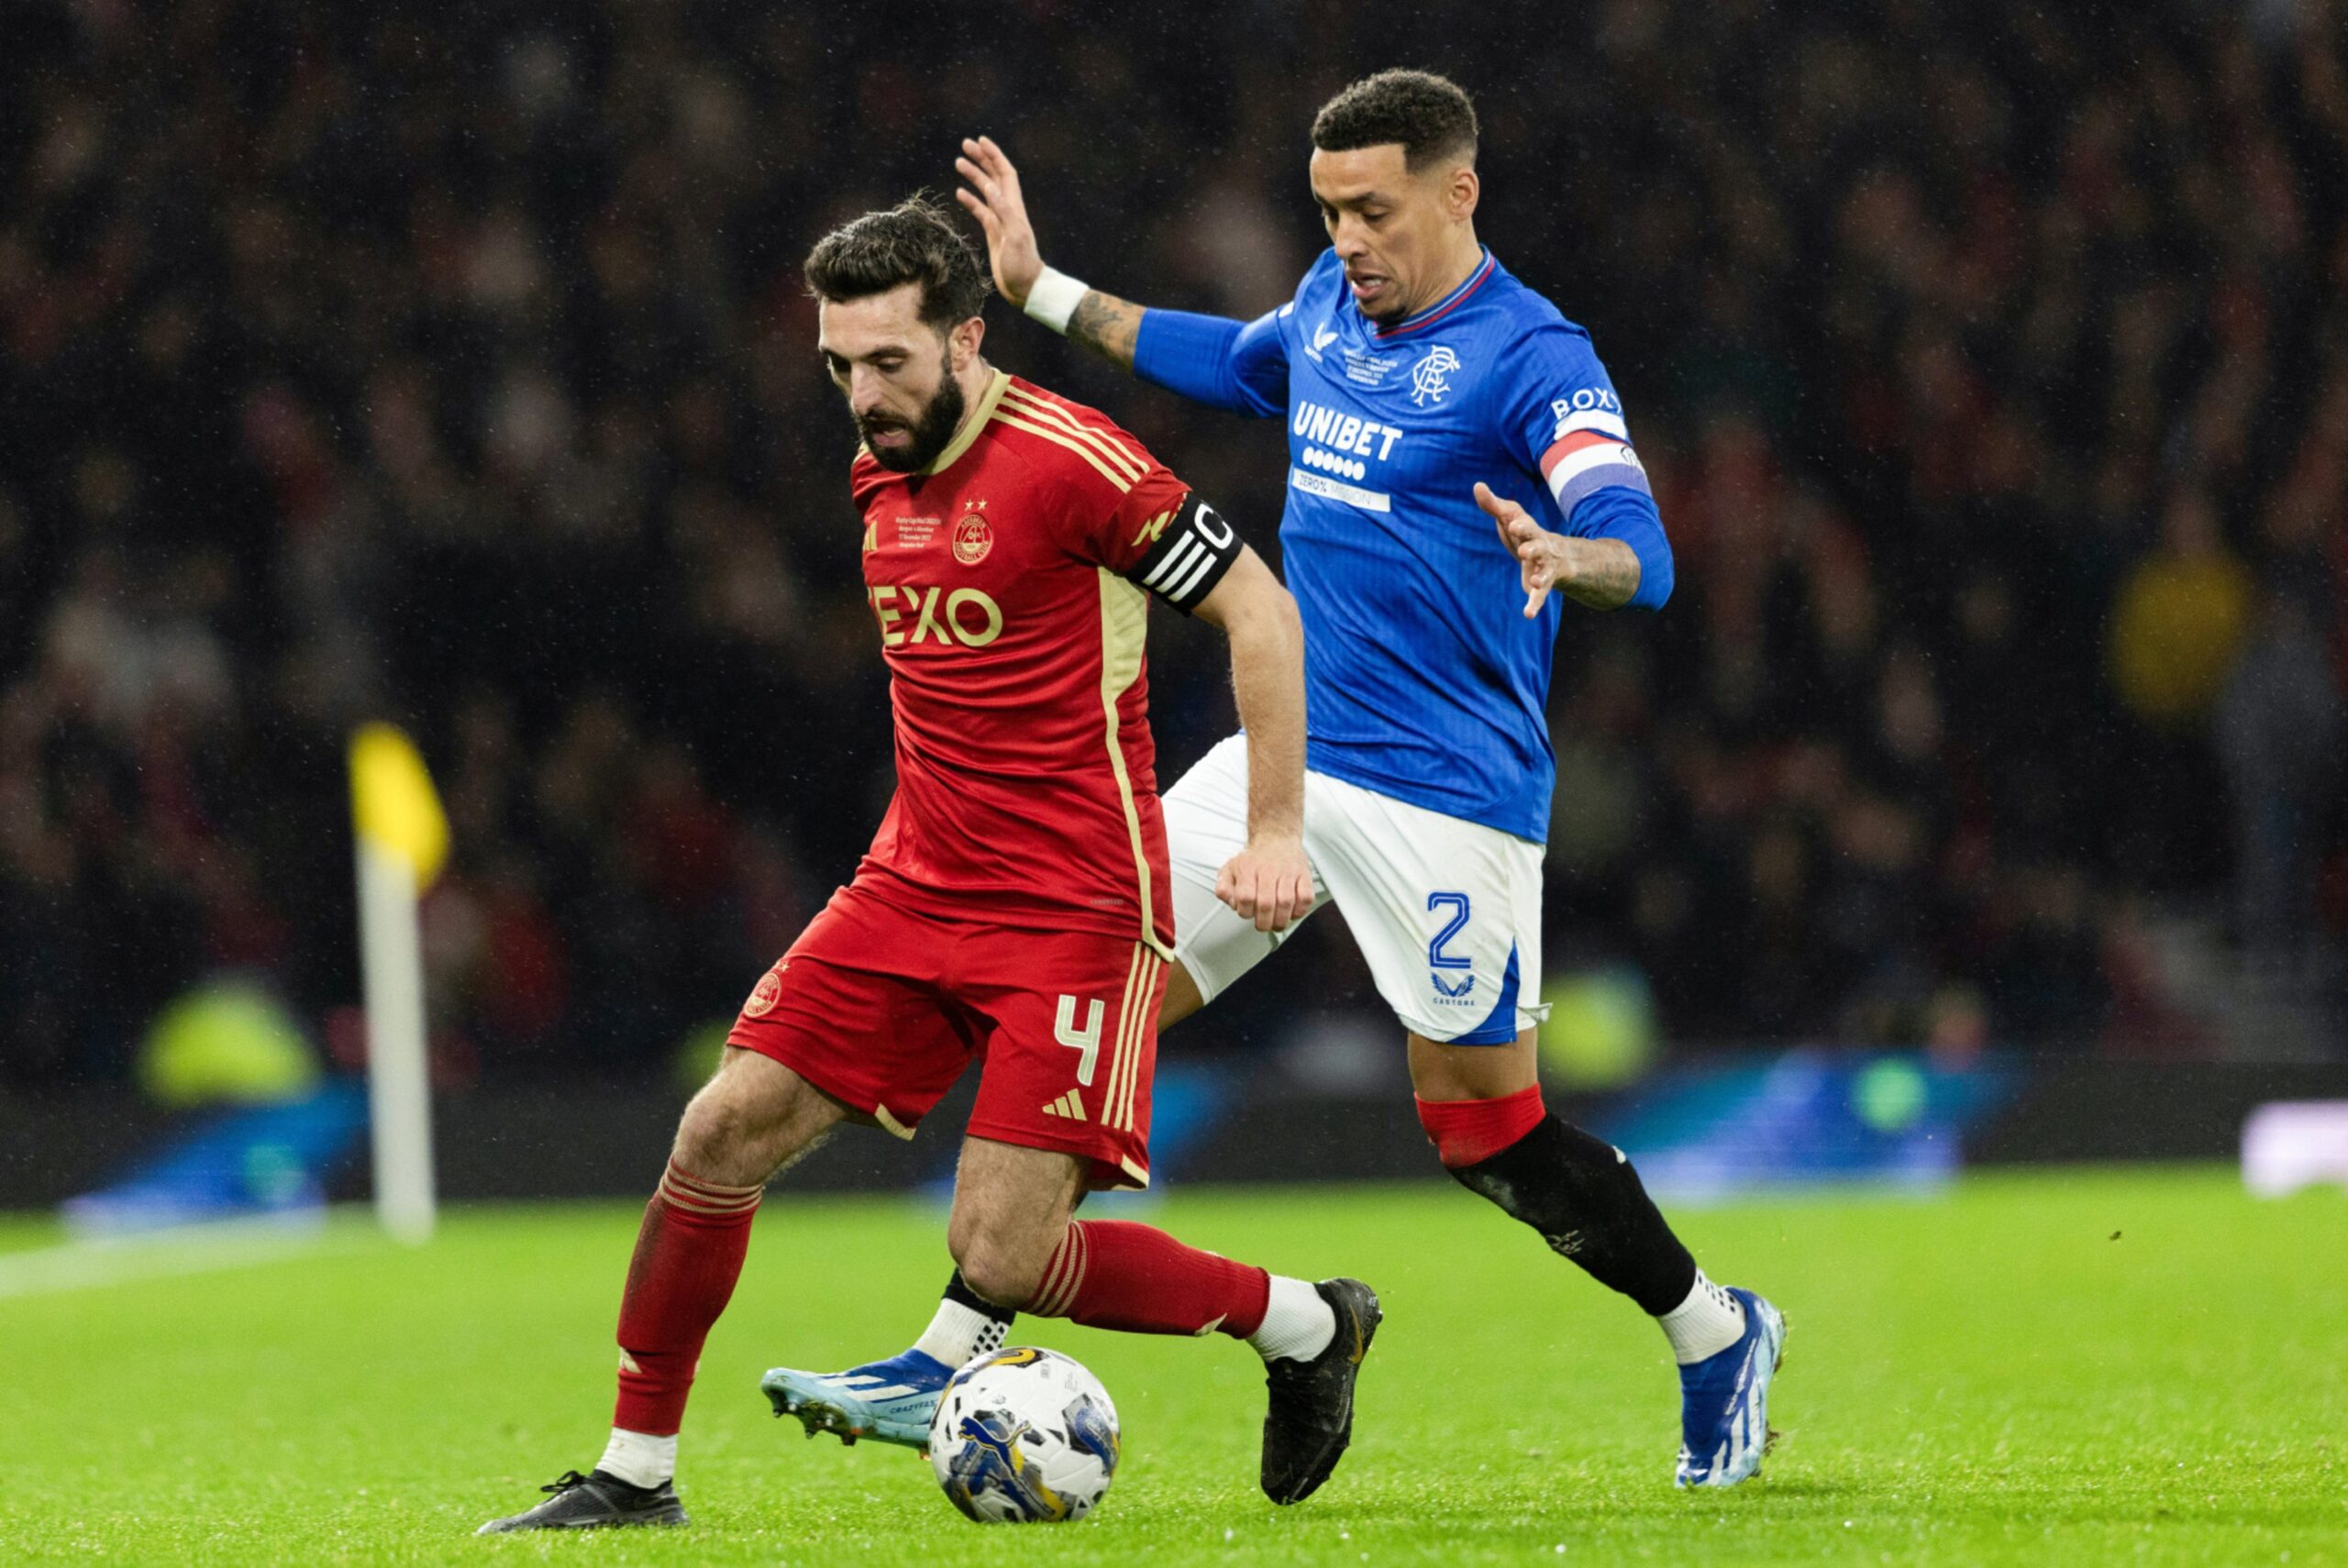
688	1256
1469	1132
1113	1274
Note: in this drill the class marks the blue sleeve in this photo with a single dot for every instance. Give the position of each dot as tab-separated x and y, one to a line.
1560	393
1565	422
1234	366
1620	512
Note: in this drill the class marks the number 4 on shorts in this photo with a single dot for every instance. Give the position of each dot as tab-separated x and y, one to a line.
1087	1040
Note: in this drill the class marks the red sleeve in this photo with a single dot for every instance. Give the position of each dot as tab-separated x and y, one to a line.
1135	521
1121	508
1112	493
1162	537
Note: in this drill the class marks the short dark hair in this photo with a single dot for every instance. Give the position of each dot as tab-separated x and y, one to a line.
1429	115
913	242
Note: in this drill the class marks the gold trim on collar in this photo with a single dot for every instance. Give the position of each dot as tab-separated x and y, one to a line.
980	412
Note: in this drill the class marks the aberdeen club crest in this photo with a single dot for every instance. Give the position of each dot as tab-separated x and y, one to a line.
972	539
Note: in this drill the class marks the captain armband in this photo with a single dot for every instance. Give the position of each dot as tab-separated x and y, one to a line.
1193	546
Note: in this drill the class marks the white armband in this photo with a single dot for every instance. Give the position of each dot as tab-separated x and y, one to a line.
1055	297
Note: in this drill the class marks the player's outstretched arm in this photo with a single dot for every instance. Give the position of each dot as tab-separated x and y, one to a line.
1601	573
1237	366
1106	325
1269	881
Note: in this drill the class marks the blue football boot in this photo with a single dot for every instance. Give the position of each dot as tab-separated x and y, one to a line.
1725	1401
889	1401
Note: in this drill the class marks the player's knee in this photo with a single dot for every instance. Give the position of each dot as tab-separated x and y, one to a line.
731	1123
1004	1266
712	1135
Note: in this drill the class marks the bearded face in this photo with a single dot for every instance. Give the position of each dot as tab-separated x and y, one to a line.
896	370
910	444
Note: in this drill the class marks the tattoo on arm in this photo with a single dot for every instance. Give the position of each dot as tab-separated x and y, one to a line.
1606	573
1108	326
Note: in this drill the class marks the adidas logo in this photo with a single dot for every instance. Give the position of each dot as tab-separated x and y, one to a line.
1068	1105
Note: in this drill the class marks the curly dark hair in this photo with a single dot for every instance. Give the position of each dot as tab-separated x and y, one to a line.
913	242
1429	115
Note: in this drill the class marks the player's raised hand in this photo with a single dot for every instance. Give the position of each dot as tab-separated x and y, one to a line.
993	198
1540	555
1269	882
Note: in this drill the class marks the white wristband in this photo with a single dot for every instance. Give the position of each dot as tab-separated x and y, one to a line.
1055	297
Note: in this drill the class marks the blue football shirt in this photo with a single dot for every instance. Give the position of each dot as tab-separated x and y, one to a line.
1423	679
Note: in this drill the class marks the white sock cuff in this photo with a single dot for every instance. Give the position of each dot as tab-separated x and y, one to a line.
1055	297
1297	1323
638	1458
958	1335
1706	1323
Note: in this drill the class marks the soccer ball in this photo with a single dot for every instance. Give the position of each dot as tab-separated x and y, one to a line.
1024	1436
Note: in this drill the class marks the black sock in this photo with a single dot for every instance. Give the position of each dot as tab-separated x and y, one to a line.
1590	1206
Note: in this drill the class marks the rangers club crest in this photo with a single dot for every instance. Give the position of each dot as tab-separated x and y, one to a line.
972	540
1431	376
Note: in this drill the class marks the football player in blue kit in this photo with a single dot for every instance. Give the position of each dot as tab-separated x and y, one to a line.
1431	400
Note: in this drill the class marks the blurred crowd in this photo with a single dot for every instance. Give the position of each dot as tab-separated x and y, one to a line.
449	364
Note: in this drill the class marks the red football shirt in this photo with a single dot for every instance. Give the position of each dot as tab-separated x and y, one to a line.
1009	579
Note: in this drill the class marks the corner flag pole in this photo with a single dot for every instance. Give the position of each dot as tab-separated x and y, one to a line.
402	840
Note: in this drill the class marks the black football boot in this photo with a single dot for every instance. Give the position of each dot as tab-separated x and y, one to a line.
595	1501
1310	1418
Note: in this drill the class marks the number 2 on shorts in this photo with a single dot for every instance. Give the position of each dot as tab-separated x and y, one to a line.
1457	904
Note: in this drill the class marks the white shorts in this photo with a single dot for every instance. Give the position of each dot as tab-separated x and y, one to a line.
1447	912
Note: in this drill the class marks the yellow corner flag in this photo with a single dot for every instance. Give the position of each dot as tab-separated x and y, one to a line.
392	803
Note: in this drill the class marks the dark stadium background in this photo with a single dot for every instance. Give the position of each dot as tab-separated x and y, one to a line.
448	364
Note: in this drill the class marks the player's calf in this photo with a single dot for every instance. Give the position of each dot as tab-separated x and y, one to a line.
1579	1193
748	1121
1586	1200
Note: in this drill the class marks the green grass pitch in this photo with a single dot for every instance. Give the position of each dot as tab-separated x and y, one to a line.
2065	1367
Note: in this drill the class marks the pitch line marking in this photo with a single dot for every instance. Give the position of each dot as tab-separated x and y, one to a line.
204	1249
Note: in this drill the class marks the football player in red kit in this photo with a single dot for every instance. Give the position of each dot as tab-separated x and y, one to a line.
1014	908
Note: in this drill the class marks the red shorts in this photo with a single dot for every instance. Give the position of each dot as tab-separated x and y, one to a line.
882	1009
